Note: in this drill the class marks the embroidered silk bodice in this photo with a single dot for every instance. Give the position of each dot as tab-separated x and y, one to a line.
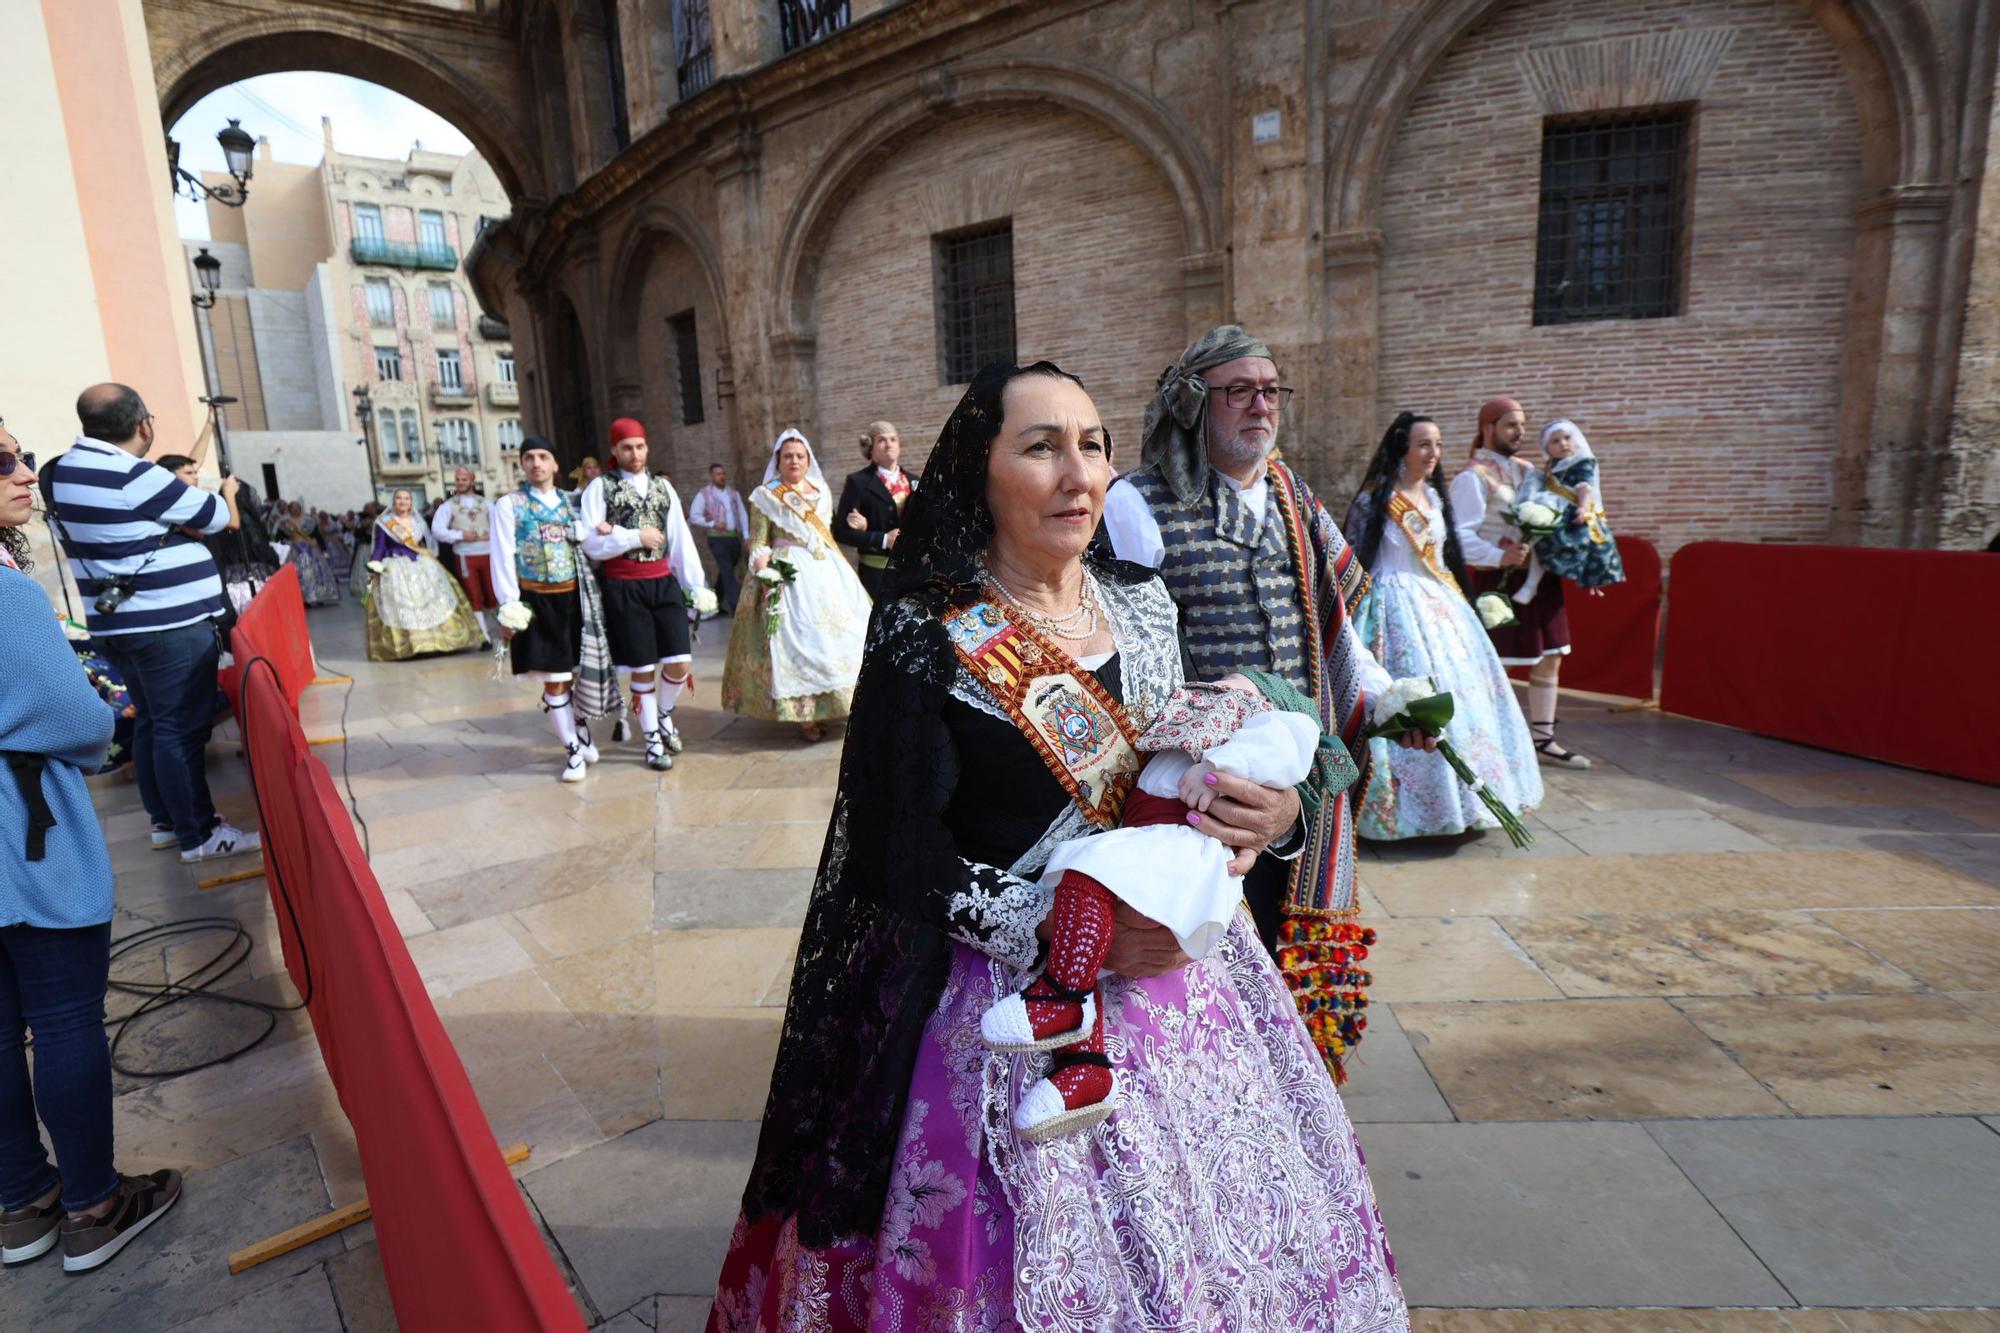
544	539
1233	579
624	507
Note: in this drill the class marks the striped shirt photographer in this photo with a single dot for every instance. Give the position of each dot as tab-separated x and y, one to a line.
120	517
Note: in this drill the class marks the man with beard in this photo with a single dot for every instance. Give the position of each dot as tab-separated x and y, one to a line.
1265	582
870	512
1539	636
460	527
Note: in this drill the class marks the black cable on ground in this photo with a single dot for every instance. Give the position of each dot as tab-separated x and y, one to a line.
199	984
353	806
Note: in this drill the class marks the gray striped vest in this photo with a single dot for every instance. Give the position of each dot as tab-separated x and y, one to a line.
1234	584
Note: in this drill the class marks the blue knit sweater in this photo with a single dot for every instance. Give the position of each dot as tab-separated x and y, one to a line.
48	708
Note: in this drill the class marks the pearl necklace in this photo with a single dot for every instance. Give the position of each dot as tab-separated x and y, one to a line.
1077	626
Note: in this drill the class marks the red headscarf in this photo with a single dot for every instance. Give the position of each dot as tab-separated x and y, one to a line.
1490	412
625	428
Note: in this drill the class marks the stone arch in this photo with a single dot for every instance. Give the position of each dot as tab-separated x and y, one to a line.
318	40
990	82
637	356
1904	86
575	425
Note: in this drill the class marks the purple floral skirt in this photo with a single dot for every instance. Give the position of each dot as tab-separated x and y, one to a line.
1226	1192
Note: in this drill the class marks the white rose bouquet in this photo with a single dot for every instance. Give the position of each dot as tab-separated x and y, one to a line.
515	616
775	577
1535	519
376	566
1416	704
1494	610
703	602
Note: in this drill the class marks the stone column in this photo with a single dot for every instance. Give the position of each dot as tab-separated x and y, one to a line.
1885	413
743	253
1352	261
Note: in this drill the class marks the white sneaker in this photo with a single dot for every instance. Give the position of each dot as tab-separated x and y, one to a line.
227	840
163	838
574	766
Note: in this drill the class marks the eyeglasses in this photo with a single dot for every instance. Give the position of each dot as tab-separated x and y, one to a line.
11	460
1239	395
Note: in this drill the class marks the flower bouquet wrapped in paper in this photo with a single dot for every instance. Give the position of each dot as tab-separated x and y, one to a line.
1416	704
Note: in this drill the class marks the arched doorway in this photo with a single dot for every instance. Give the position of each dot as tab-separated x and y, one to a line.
574	432
667	347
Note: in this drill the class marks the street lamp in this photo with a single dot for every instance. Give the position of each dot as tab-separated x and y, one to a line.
209	269
364	412
239	151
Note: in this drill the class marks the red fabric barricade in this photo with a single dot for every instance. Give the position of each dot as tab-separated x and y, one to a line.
1616	636
1882	653
276	620
457	1244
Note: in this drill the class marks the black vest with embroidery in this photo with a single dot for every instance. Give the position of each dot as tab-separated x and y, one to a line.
1234	581
624	507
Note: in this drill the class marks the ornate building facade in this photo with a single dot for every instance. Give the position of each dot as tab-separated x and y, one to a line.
1748	244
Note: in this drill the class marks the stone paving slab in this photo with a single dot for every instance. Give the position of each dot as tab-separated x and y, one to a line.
649	1212
303	1303
730	898
179	1268
1387	1082
1529	1215
1856	1212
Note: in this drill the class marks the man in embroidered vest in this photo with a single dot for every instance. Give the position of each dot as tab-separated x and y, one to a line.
534	533
870	513
1539	636
633	524
459	525
1265	582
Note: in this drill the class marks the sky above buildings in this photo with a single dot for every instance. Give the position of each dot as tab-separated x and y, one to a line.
285	108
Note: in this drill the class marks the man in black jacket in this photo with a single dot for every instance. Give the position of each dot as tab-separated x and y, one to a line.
871	506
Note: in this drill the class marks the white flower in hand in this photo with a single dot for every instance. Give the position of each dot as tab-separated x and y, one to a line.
514	616
1494	610
1400	696
376	566
769	574
703	601
1534	514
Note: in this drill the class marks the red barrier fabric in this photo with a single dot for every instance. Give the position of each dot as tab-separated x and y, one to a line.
1616	636
457	1245
276	620
1883	653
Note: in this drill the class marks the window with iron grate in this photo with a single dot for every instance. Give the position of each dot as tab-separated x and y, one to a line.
973	275
694	47
803	22
1609	241
687	368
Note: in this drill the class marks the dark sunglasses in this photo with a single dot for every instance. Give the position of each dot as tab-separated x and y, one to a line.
11	460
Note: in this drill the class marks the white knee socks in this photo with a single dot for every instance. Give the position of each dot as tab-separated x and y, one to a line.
670	692
562	716
649	707
484	631
1542	679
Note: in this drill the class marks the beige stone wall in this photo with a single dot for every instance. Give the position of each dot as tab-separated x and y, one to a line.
1720	423
1097	245
1970	480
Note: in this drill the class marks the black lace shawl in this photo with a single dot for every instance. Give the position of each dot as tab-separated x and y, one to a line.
895	884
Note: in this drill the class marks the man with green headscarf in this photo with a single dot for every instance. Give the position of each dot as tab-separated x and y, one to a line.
1265	582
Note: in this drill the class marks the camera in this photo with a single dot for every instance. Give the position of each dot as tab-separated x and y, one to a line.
113	593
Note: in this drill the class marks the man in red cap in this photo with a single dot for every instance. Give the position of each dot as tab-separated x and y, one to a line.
1539	636
634	525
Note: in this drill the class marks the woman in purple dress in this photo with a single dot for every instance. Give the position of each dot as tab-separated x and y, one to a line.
1006	676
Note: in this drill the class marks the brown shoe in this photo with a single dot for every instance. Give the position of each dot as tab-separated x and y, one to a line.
30	1232
90	1242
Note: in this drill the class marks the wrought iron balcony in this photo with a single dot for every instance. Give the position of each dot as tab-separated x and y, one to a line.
402	254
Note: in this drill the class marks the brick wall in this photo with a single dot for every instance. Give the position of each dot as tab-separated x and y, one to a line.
1097	281
675	282
1720	423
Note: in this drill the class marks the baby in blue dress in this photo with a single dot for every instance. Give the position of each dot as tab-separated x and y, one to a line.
1582	550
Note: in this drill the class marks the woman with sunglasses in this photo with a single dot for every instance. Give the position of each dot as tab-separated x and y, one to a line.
55	934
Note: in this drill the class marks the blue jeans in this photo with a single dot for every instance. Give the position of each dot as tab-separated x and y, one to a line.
52	982
171	674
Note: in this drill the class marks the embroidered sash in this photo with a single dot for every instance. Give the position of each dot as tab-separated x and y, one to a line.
1416	525
1079	730
408	542
1593	518
793	504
